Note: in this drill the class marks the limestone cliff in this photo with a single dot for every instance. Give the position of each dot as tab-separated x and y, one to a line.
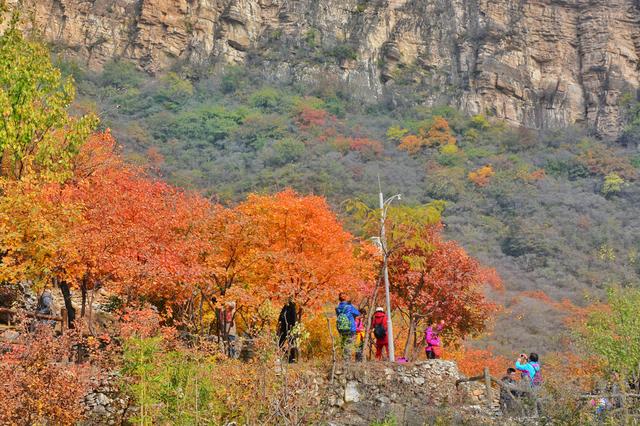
538	63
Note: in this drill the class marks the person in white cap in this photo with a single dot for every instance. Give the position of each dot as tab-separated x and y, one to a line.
379	327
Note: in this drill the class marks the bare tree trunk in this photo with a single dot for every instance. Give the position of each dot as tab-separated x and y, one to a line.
410	335
200	313
83	289
66	295
90	320
333	351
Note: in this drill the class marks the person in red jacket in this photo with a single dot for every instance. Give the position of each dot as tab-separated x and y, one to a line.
379	328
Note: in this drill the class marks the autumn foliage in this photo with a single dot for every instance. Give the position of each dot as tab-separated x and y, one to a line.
439	134
472	361
304	252
482	176
437	280
39	382
139	235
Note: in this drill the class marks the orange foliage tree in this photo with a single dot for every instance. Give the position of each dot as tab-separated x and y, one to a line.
139	235
36	222
481	176
304	253
433	279
439	134
411	143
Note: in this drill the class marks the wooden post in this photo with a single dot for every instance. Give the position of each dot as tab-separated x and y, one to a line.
333	351
487	387
64	324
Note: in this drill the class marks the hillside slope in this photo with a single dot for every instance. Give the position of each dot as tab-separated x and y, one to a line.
538	63
556	214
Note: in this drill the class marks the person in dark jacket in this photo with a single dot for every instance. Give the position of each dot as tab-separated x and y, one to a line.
508	392
286	322
379	329
346	315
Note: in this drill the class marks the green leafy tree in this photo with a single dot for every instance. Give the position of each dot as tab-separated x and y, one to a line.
613	331
36	130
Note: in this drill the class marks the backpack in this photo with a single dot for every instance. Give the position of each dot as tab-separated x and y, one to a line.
537	378
379	331
343	323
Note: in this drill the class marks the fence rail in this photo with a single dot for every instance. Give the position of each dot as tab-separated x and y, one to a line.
489	380
62	319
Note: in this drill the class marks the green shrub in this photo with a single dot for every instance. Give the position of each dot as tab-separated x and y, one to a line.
311	37
233	79
121	74
208	123
571	168
615	334
342	52
269	99
286	150
169	387
258	129
173	90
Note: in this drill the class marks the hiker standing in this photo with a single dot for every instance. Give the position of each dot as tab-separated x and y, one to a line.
360	331
346	315
433	348
230	331
379	327
286	322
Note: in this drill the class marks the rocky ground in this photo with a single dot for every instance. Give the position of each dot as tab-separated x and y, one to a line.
410	394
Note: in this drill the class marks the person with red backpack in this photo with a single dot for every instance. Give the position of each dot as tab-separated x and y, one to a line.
379	328
529	368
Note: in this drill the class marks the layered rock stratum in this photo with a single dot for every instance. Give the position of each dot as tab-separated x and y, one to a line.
536	63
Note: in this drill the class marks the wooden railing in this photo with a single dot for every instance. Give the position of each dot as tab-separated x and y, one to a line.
489	380
62	319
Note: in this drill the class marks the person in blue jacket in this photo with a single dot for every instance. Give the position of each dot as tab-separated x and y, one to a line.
346	315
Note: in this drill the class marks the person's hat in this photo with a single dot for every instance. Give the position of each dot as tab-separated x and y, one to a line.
379	309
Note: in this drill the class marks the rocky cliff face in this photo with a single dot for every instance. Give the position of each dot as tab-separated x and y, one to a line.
538	63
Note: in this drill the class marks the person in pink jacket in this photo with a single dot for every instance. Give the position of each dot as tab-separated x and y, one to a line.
433	347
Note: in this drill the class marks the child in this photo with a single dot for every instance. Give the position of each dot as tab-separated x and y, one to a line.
360	331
